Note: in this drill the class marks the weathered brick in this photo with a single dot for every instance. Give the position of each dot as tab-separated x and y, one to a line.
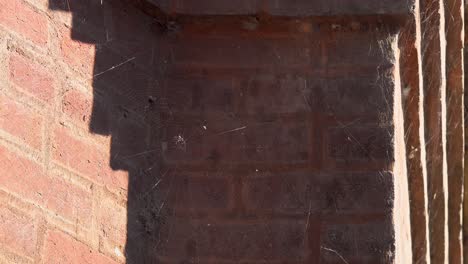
68	200
79	55
201	95
86	159
28	180
239	52
198	192
87	18
129	150
19	120
214	7
287	7
293	94
296	7
231	141
304	192
359	145
365	96
20	17
297	193
78	106
182	192
266	240
194	140
367	243
113	226
359	192
336	7
345	49
61	248
239	93
17	232
278	142
31	77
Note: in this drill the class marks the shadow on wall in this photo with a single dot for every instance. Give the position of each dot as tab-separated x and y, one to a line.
222	139
126	101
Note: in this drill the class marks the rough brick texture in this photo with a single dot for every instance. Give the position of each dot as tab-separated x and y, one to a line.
61	248
285	7
272	136
22	18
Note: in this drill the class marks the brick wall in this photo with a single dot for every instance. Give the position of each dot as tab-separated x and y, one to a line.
251	139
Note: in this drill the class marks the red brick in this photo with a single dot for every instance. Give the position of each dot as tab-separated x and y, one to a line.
28	180
200	192
86	159
61	248
19	120
78	106
359	145
177	192
336	7
366	243
278	141
215	7
291	8
113	224
79	55
248	53
22	18
187	140
201	95
292	94
31	77
69	201
359	49
17	232
265	240
283	193
227	140
359	192
305	192
365	96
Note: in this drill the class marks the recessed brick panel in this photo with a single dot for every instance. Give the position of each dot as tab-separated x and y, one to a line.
295	193
267	142
345	49
214	7
368	97
239	52
369	192
286	7
367	243
198	192
316	193
256	139
279	142
359	145
265	241
202	96
336	7
270	94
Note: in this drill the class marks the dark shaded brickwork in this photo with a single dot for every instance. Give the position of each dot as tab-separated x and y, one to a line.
253	131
